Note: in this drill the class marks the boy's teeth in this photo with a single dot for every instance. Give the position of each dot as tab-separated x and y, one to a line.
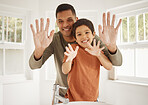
84	41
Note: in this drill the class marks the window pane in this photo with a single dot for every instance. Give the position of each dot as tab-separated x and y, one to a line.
1	61
0	28
19	30
14	61
132	29
146	25
5	28
140	27
127	67
11	29
142	62
124	30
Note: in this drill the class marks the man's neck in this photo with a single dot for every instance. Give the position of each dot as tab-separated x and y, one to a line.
69	38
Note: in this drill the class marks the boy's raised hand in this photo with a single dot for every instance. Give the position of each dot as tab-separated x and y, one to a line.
41	38
95	49
70	53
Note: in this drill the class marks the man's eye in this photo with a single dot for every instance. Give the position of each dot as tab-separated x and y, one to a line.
60	21
70	20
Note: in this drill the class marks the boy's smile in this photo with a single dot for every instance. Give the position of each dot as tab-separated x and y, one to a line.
84	36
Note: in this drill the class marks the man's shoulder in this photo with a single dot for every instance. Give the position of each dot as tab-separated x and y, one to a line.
56	35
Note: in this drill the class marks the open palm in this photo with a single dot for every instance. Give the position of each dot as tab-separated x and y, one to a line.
41	38
95	49
70	53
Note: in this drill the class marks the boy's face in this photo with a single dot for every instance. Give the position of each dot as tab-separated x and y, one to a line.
84	36
65	20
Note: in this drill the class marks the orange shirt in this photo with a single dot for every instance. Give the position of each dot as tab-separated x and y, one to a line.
83	79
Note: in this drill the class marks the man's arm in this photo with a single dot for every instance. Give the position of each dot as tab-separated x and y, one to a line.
37	63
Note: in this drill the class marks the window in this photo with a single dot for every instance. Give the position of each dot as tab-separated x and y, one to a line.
12	45
133	43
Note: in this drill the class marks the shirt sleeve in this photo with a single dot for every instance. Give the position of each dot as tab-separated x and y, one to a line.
116	59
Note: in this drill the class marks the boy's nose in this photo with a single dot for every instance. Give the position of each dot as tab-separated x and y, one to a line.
83	36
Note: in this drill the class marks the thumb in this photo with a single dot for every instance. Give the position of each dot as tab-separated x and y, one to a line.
77	48
86	49
51	34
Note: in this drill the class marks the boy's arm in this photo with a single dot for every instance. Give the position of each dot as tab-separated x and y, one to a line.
70	55
66	67
105	61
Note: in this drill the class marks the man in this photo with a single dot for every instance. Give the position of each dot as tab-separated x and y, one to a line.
55	43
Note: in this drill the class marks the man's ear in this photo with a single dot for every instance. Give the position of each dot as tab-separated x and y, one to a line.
76	18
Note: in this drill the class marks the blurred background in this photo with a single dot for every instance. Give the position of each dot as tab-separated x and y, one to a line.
124	85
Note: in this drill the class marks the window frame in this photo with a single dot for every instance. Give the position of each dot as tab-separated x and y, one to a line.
24	14
134	9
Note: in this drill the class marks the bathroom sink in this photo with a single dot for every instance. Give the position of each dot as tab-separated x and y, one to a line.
84	103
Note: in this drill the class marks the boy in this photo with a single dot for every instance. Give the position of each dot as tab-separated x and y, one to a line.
82	63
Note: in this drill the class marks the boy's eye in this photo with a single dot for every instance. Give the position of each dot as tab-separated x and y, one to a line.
86	32
78	34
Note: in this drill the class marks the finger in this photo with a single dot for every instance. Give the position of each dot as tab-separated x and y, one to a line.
32	29
41	24
71	49
102	48
51	34
108	18
119	23
104	19
100	30
77	48
37	25
67	49
66	54
98	45
47	25
94	43
113	20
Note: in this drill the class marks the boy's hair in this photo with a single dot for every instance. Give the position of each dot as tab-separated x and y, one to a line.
81	22
63	7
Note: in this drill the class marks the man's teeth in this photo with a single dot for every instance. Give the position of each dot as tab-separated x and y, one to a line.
66	29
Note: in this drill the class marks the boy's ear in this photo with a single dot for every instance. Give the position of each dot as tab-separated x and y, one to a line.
94	33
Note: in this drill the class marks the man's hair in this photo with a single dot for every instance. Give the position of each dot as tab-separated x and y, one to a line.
64	7
81	22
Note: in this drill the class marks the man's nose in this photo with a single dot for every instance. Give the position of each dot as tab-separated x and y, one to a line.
65	24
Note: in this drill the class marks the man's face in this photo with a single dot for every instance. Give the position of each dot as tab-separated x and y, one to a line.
65	20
